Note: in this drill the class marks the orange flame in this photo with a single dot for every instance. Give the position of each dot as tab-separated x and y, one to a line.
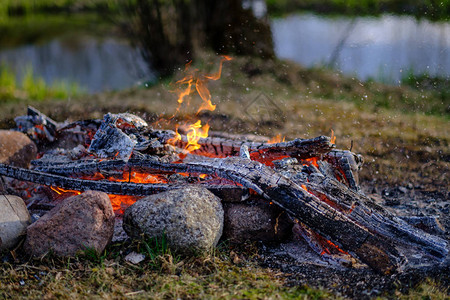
333	137
195	131
276	139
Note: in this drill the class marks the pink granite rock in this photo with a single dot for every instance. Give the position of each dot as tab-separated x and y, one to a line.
16	149
80	222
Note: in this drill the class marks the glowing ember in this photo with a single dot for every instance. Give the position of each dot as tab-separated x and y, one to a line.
118	202
121	202
312	161
61	191
138	177
334	246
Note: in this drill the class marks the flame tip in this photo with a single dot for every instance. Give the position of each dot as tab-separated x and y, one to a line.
196	131
333	137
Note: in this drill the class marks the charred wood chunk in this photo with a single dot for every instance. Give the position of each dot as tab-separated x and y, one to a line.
298	148
230	193
346	166
110	141
220	146
38	126
321	246
119	135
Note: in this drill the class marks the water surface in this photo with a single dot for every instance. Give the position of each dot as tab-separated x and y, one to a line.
94	63
382	48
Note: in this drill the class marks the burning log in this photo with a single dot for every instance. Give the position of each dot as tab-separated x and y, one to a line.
37	125
330	208
223	147
110	187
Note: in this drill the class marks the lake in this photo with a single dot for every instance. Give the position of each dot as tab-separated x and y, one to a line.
383	48
96	64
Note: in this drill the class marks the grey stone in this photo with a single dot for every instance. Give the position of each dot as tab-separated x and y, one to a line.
134	258
16	149
191	218
119	234
79	222
257	220
402	189
14	219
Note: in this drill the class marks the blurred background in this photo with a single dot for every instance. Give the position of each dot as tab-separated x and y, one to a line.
91	46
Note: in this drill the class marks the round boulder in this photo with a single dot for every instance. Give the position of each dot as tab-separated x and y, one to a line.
16	149
79	222
14	219
191	218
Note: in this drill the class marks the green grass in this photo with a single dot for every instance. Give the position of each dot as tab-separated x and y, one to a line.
208	276
223	274
427	82
32	87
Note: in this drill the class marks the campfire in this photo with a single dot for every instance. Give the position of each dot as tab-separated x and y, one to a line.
311	180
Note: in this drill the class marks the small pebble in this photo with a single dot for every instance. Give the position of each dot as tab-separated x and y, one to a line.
134	257
402	189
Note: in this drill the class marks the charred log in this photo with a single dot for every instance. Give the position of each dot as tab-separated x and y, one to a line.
346	166
356	206
110	187
223	147
325	205
331	218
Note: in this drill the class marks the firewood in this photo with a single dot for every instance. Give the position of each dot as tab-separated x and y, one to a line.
338	224
223	147
118	188
354	206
